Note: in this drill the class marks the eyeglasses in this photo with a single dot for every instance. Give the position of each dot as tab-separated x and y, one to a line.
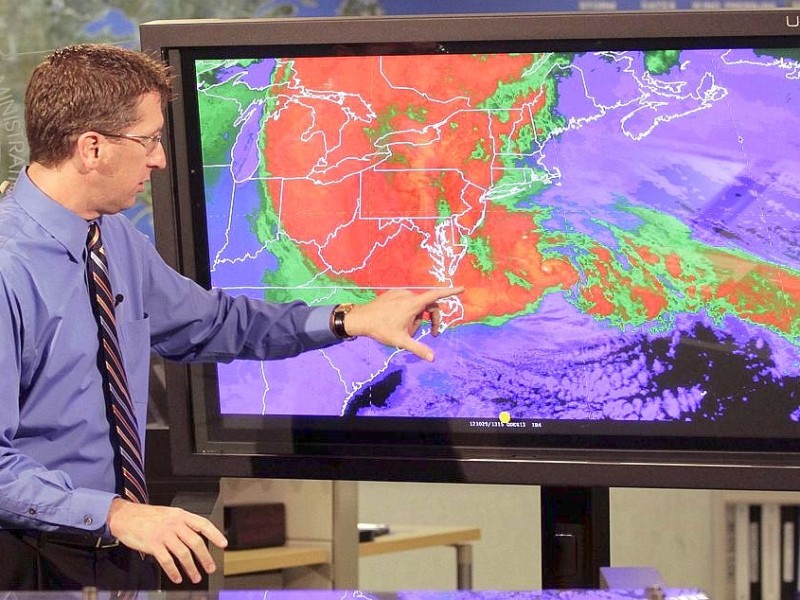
148	142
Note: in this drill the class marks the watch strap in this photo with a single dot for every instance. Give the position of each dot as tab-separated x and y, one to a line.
337	321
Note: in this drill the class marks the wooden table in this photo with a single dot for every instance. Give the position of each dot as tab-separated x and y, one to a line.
399	539
239	562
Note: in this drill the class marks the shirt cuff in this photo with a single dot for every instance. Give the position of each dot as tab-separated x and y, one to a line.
318	326
89	509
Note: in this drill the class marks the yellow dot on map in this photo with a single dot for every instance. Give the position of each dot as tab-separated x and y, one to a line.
505	417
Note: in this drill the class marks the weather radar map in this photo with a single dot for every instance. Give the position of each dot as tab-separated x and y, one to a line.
626	225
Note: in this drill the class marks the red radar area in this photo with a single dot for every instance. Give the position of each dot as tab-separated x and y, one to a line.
384	166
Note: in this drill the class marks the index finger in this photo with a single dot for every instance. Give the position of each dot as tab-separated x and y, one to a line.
438	293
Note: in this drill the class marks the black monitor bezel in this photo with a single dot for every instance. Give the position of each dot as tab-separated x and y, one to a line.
200	446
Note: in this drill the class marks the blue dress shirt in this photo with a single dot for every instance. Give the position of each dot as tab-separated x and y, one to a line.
56	459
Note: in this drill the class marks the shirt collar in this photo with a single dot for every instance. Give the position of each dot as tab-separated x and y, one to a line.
64	225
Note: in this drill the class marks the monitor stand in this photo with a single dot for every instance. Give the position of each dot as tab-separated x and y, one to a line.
576	540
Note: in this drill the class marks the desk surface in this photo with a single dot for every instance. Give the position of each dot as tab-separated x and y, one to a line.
407	537
296	554
290	555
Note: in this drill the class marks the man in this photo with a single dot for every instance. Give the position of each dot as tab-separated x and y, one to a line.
74	368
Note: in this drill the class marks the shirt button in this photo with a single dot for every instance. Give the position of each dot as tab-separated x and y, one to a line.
87	520
31	511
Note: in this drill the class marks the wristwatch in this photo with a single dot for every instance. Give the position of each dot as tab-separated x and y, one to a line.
337	321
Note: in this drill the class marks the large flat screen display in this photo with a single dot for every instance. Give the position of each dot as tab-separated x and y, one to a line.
618	193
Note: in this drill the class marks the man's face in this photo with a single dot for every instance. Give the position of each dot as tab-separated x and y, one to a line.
134	153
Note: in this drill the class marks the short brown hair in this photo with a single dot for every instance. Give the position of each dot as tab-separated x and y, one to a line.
83	88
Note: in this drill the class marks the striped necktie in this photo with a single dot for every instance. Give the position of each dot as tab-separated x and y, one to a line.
119	407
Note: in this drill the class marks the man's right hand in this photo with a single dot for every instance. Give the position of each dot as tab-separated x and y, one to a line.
168	534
